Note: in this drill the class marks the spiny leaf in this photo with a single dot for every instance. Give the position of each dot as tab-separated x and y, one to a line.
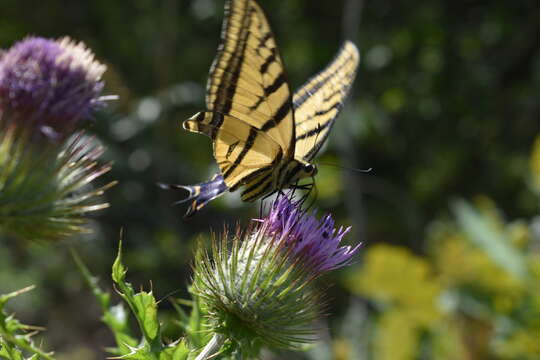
142	304
175	351
146	313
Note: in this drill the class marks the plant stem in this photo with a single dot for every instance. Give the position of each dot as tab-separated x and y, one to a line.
212	347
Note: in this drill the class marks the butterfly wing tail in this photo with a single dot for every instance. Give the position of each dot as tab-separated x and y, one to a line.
200	194
205	123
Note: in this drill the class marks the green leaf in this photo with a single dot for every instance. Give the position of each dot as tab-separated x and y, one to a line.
494	243
183	318
146	312
195	330
7	352
175	351
142	304
115	317
117	320
13	354
142	352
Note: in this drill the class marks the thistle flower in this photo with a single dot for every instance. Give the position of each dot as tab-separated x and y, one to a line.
47	88
50	85
315	242
257	285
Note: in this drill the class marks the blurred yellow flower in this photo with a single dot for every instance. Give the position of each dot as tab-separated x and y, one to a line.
462	264
397	337
487	207
534	288
342	349
524	344
518	232
394	276
447	341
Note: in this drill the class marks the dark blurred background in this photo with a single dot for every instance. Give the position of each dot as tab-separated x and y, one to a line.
445	106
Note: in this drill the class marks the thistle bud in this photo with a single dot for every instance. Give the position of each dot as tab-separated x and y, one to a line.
257	286
47	88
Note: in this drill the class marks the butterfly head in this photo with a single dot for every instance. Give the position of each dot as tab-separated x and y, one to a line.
308	170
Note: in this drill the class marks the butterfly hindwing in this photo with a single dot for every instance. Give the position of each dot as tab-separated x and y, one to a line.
258	186
247	79
318	102
241	151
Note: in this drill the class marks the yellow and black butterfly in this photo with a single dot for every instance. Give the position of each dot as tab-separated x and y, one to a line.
264	139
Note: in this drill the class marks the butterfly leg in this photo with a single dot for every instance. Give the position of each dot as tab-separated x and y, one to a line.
309	189
313	189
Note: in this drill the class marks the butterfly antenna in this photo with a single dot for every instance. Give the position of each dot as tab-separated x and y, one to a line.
347	168
169	295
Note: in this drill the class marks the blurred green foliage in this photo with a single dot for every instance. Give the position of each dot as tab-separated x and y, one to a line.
444	106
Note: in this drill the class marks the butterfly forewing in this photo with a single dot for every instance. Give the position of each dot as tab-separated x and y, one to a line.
247	80
320	99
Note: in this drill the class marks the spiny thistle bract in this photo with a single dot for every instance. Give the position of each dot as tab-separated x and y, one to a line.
47	89
256	286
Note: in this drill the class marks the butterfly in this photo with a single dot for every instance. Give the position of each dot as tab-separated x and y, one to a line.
263	138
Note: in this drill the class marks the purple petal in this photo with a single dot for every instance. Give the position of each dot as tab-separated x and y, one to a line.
316	242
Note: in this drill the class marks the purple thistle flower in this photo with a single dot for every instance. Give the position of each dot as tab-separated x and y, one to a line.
50	85
316	242
47	88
